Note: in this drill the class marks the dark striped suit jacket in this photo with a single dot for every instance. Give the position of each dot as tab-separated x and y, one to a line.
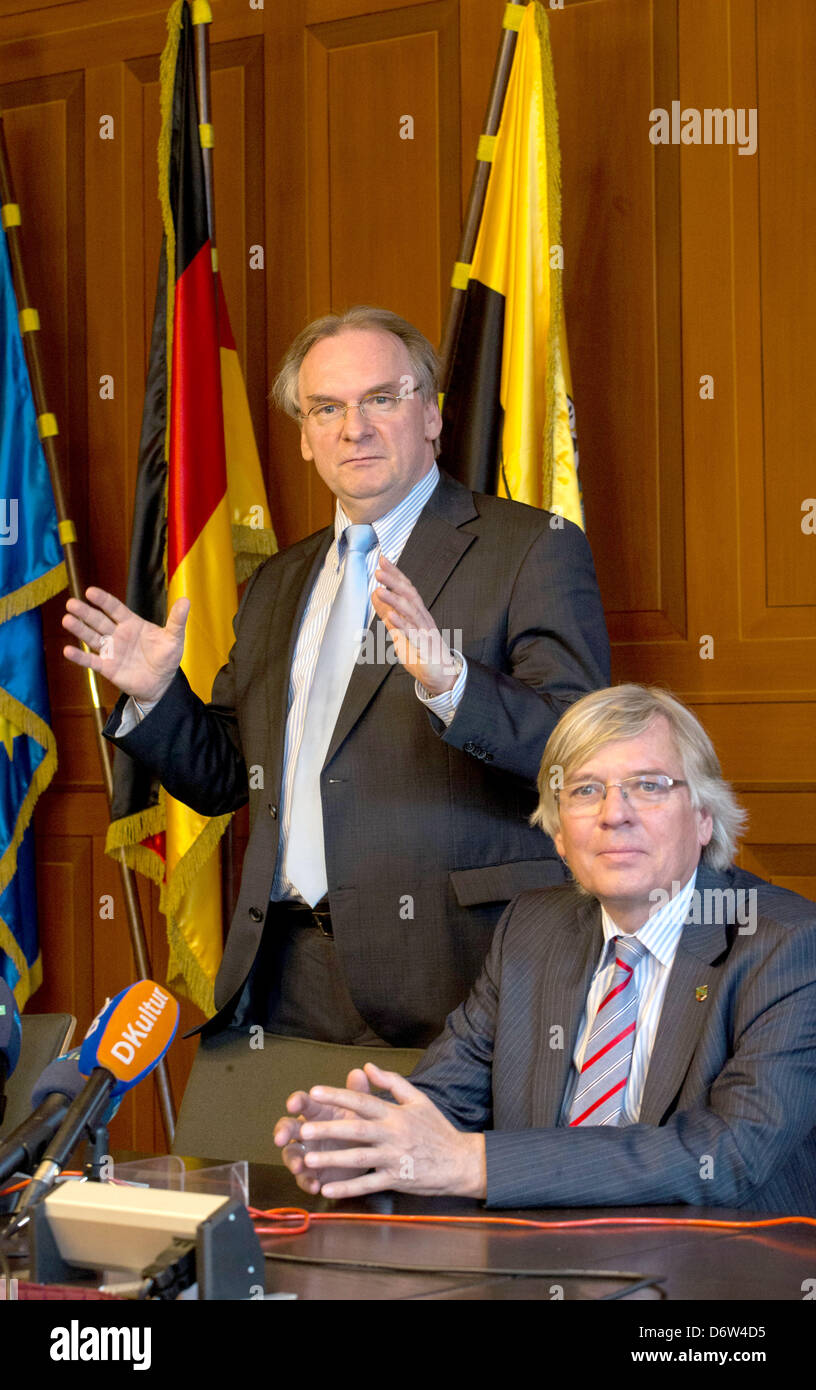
729	1106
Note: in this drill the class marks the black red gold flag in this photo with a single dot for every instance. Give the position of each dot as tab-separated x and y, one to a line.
201	518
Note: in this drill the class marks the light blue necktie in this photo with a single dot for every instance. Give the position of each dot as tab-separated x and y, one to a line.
602	1082
345	628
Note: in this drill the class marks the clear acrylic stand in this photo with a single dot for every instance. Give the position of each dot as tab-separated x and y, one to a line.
169	1172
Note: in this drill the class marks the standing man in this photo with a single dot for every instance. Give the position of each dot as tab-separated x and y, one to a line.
393	682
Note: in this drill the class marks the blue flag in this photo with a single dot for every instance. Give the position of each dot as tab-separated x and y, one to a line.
31	570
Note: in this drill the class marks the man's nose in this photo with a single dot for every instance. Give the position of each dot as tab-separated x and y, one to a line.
616	807
356	423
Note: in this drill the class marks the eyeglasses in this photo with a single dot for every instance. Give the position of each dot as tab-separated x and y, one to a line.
584	798
375	406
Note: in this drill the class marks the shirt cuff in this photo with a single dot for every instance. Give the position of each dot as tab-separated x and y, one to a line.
444	706
133	714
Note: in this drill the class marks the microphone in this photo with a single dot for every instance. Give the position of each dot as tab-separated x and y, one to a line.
59	1084
11	1034
125	1042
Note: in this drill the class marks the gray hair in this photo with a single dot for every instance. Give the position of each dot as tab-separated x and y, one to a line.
424	358
625	711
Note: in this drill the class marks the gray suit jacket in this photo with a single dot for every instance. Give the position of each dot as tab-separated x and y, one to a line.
729	1105
425	827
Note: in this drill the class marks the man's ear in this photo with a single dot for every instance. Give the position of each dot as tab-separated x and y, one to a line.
304	446
558	841
433	420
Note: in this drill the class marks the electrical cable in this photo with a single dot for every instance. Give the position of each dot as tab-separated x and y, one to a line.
18	1186
305	1218
291	1221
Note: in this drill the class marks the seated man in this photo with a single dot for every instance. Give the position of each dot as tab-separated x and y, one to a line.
645	1034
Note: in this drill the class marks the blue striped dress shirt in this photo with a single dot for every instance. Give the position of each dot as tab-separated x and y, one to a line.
661	937
392	532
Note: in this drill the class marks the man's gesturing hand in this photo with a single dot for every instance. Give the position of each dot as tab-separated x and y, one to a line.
417	640
138	657
410	1146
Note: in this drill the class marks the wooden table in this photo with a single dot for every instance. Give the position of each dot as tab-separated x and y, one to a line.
689	1262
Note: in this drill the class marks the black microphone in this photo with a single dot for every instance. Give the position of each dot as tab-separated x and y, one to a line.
58	1086
123	1045
10	1039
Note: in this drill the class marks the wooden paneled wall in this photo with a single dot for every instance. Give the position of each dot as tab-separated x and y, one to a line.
690	295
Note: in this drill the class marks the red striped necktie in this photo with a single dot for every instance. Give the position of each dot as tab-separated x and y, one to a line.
598	1099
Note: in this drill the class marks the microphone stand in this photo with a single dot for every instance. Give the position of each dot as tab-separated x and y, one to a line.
100	1151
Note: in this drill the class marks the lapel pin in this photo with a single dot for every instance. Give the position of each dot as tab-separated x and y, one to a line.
701	993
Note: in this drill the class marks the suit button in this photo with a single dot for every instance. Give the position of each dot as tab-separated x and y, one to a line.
256	914
273	811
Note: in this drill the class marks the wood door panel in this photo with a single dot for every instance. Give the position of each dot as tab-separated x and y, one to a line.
620	198
763	742
64	898
789	866
787	213
383	209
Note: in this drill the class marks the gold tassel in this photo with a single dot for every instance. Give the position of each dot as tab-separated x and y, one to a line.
34	593
182	960
31	976
28	723
251	547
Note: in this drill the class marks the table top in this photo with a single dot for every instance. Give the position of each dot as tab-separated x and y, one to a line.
643	1254
687	1262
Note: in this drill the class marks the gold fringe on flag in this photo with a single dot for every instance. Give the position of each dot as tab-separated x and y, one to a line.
16	718
34	593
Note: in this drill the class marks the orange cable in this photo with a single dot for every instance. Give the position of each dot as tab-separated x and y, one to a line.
305	1218
18	1186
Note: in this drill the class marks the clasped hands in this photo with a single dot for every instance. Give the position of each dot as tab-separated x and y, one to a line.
348	1142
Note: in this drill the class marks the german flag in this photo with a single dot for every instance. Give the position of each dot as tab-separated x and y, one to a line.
509	420
201	517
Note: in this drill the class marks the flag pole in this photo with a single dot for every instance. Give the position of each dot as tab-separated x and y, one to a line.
201	18
47	426
513	14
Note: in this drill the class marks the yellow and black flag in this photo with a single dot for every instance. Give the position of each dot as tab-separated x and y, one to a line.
509	423
201	517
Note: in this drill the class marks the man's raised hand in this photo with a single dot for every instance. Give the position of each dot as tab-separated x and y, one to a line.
418	643
138	657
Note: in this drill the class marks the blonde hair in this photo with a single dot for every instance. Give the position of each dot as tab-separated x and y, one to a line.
625	711
423	355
